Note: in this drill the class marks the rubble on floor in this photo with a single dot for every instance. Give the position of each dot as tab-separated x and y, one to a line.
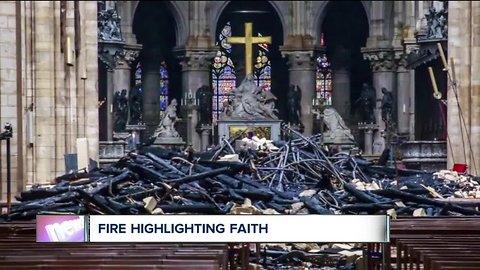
295	176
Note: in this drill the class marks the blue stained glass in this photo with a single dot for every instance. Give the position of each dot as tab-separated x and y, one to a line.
163	86
138	74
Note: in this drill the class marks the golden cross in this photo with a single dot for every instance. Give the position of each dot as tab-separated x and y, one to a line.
249	40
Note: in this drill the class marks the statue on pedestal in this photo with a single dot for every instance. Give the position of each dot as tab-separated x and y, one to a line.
204	96
387	105
337	129
367	103
250	102
166	128
294	97
120	110
135	100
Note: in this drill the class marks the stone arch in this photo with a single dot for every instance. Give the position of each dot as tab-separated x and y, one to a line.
216	8
320	11
179	11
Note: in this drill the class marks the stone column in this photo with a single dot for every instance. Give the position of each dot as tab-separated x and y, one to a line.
382	63
341	83
403	96
368	142
302	73
151	58
122	70
195	73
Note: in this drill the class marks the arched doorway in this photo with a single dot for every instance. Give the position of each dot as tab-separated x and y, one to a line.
344	31
157	71
228	68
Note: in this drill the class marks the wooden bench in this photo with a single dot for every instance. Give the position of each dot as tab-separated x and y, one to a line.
421	242
18	250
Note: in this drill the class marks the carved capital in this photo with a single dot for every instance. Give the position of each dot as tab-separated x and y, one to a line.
196	60
380	59
125	57
400	59
299	59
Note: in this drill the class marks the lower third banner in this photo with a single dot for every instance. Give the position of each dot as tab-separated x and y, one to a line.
240	228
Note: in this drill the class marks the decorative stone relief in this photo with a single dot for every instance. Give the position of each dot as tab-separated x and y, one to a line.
109	25
436	18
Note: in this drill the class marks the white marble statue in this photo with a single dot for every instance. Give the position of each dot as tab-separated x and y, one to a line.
337	129
166	128
250	102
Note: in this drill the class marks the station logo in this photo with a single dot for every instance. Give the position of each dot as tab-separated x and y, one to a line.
61	228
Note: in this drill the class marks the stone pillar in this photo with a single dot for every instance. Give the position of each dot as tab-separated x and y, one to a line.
302	73
403	96
382	63
341	83
368	142
151	58
205	138
195	73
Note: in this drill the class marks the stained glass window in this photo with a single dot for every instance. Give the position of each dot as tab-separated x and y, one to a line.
163	83
223	73
263	69
324	80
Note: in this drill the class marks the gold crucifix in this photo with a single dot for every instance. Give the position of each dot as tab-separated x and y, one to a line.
249	40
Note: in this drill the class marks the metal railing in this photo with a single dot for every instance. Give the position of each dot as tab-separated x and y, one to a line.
6	135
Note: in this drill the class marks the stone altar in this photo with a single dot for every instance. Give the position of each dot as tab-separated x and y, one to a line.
250	108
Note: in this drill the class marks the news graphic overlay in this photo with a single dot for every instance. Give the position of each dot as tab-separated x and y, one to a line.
61	228
240	228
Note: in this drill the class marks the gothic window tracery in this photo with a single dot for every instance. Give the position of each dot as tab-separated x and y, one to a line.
324	80
223	72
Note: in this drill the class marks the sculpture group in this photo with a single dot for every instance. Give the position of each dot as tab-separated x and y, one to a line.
250	102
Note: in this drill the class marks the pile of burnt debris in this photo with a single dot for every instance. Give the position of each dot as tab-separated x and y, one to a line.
294	176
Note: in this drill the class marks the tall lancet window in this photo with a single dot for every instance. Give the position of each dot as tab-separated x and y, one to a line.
163	83
223	72
324	79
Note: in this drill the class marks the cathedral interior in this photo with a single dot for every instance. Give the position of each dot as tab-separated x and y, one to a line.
85	83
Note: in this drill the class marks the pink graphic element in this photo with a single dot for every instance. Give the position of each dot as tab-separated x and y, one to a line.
60	228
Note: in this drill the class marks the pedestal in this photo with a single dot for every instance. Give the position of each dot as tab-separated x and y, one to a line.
268	129
368	129
205	131
368	142
169	142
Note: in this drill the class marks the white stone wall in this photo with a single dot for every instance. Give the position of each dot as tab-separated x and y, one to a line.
63	98
8	88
